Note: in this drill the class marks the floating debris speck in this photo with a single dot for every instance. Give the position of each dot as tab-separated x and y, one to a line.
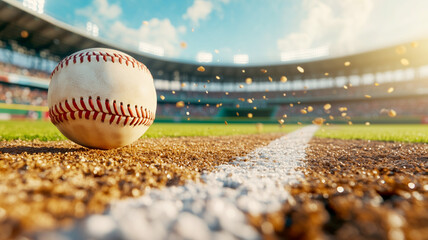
392	113
179	104
327	106
404	62
283	79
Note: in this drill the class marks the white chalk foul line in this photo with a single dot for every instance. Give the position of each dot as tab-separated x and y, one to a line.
211	210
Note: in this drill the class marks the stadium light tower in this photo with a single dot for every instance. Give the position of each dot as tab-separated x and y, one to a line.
240	59
35	5
204	57
148	48
92	29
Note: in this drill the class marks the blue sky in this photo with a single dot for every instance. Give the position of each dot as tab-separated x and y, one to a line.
268	31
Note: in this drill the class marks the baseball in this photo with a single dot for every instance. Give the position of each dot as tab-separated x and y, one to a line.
101	98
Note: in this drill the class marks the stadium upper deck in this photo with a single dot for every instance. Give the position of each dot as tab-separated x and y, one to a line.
47	37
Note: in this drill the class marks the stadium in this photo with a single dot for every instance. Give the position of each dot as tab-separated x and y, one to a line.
308	148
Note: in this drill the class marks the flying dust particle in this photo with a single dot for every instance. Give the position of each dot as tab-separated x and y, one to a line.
401	50
404	62
248	81
162	97
24	34
179	104
201	69
300	69
283	79
327	106
347	63
318	121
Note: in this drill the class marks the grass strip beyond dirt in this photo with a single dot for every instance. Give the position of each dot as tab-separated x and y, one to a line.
416	133
46	131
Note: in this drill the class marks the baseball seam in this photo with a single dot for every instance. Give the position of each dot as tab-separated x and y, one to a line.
65	111
99	56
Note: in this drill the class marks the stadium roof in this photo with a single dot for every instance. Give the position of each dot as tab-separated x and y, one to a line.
46	34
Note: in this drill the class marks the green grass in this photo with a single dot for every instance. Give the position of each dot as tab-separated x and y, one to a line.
46	131
386	132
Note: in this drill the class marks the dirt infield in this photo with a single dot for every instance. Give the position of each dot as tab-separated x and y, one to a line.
44	185
356	190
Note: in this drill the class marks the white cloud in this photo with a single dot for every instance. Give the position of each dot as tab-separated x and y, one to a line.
198	11
100	10
201	9
337	24
158	32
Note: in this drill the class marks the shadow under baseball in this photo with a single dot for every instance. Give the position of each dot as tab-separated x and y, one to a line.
15	150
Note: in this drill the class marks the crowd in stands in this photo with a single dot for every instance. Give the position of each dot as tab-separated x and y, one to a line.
368	101
9	68
22	95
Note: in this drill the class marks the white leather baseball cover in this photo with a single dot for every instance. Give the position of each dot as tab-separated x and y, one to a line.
101	98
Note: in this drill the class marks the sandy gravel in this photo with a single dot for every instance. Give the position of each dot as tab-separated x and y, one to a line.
355	189
44	185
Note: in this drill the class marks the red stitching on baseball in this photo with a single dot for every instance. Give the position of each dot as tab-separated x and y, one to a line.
58	114
113	57
91	104
115	107
100	106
